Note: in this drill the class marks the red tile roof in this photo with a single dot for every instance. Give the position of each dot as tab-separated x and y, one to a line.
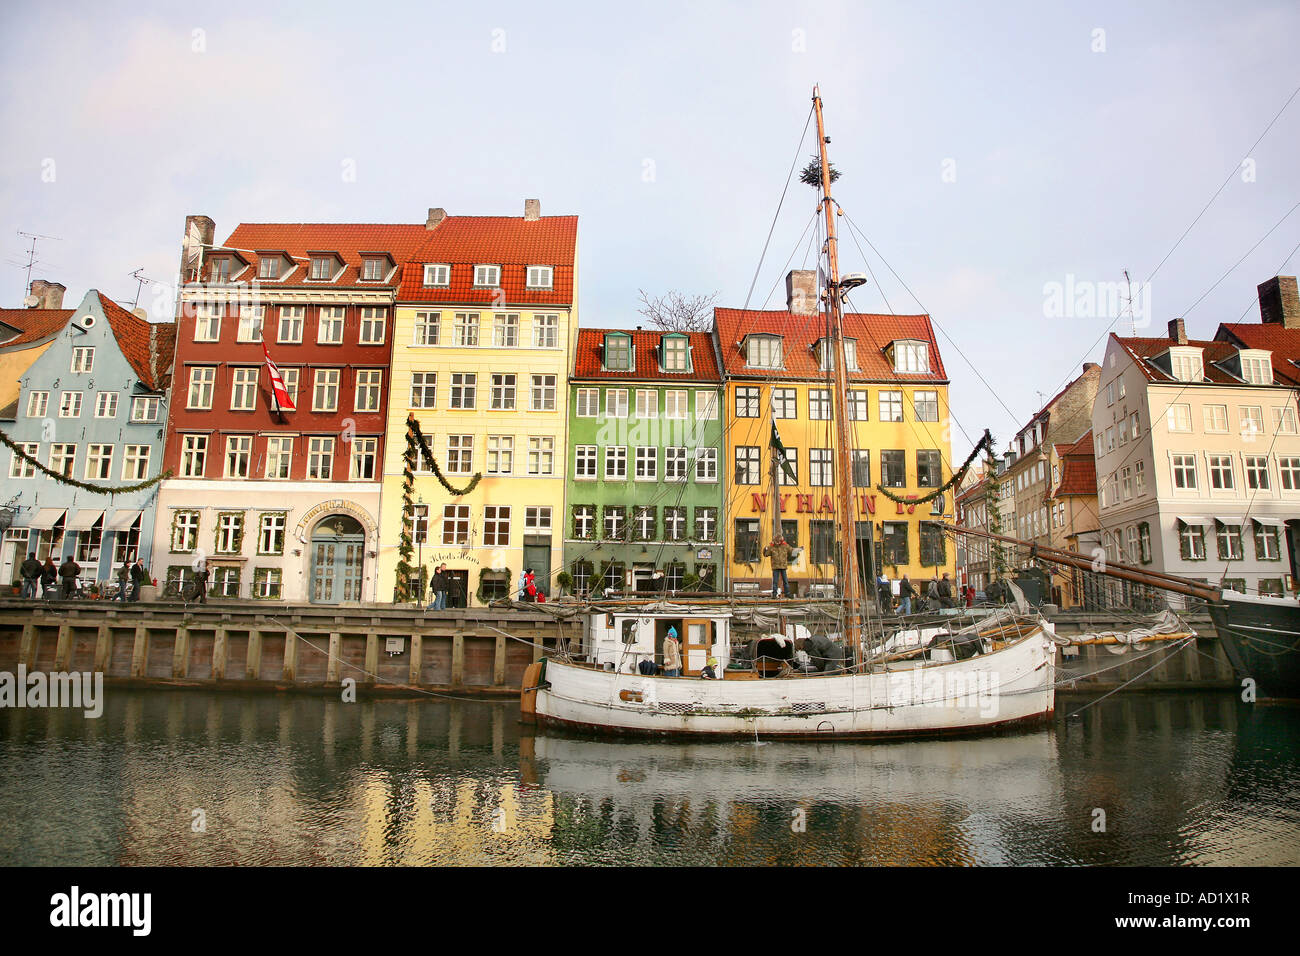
133	334
588	357
1284	343
1141	349
873	333
1078	469
298	239
35	325
512	242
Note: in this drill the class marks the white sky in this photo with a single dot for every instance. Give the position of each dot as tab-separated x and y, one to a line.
1068	162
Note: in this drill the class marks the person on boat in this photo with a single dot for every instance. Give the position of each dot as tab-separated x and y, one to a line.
779	552
672	654
710	670
905	594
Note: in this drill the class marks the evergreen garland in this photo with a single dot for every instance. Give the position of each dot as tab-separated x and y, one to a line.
985	442
405	544
414	436
992	497
83	485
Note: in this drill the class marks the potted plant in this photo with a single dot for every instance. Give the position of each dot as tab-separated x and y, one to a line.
564	581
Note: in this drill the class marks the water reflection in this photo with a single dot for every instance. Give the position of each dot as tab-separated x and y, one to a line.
203	778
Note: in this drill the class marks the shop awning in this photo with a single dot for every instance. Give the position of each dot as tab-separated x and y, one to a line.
1193	520
122	520
45	519
84	520
1233	520
1268	522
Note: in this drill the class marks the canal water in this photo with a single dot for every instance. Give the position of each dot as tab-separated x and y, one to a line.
193	777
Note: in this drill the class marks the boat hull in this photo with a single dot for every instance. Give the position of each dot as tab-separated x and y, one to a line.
1010	688
1261	637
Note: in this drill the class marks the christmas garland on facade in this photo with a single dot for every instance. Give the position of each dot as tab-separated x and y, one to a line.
405	544
985	442
83	485
416	437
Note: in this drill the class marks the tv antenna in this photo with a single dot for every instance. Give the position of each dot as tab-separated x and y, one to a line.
31	255
140	278
1128	304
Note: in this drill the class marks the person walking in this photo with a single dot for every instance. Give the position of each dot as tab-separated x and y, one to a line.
779	552
123	583
68	572
438	585
139	578
945	592
905	594
49	577
672	654
884	593
201	582
31	573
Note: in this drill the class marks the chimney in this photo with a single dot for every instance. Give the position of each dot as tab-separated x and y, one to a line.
801	292
435	216
200	231
532	209
1089	366
1279	303
1177	331
48	294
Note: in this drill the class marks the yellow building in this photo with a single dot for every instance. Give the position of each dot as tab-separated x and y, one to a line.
777	366
484	324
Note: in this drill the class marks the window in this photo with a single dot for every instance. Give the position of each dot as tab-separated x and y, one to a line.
859	405
1284	420
424	390
207	321
496	525
250	323
99	462
911	357
1140	477
503	392
1179	418
584	518
83	360
747	550
1271	587
367	390
1144	542
541	455
329	331
706	406
373	322
373	270
932	544
706	464
427	325
893	543
540	277
266	583
455	524
893	468
1229	541
270	535
926	405
785	403
325	397
647	463
194	455
819	404
616	463
243	389
706	524
279	455
1252	421
1266	543
460	454
1256	370
320	458
542	392
821	469
929	468
1110	393
1186	366
615	522
500	454
239	452
792	458
1216	418
1289	468
437	273
291	322
613	577
747	401
466	326
202	380
616	403
643	523
70	405
21	468
1257	472
891	406
487	277
1184	471
861	468
618	351
763	351
322	267
675	463
268	267
1191	542
230	532
546	331
106	405
1221	472
39	402
1126	479
676	353
463	388
185	530
587	401
674	523
821	540
582	575
584	461
747	465
505	329
675	403
647	403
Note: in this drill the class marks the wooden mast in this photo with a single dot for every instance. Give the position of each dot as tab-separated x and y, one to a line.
851	586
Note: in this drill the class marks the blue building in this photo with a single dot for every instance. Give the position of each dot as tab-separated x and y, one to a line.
91	406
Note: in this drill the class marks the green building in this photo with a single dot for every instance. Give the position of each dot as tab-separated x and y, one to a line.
645	485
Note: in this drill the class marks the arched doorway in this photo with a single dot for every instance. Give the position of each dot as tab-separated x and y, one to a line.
338	547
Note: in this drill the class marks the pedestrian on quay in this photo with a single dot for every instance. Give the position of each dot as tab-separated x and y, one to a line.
945	592
438	587
68	572
672	654
885	592
905	594
49	577
139	578
123	583
31	572
779	552
455	590
201	582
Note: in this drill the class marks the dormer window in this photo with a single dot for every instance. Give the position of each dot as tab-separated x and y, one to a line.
373	270
323	267
676	353
911	356
1186	365
1257	367
487	277
618	351
437	274
220	270
268	267
826	354
540	277
763	351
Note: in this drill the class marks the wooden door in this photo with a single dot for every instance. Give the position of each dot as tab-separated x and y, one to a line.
697	645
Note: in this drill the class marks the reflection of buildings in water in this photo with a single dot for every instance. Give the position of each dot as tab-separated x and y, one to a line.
790	803
1262	782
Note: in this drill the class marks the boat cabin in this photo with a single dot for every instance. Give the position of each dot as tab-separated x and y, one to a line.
621	640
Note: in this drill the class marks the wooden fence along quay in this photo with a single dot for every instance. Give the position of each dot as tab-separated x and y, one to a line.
400	651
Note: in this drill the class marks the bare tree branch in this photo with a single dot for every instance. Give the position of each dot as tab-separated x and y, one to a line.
675	312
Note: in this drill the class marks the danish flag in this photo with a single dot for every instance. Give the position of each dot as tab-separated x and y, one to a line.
282	400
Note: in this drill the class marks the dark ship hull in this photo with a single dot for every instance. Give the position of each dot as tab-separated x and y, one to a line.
1261	637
